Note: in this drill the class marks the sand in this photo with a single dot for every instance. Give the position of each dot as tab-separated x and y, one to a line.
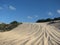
31	34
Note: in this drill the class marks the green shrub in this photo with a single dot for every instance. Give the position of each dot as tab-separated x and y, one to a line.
8	27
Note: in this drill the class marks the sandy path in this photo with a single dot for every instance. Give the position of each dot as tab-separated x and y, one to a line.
31	34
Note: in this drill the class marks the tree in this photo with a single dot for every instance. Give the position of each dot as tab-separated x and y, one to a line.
40	20
57	18
49	19
14	22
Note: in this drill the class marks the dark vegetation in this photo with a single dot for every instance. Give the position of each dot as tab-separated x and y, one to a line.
48	20
7	27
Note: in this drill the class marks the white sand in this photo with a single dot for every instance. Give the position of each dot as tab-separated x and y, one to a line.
31	34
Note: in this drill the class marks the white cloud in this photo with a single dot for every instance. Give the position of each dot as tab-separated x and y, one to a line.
32	17
9	7
58	11
12	7
1	8
50	13
29	17
36	16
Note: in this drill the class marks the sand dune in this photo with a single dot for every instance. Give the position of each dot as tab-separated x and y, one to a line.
31	34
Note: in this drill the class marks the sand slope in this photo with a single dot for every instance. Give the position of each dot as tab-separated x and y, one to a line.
31	34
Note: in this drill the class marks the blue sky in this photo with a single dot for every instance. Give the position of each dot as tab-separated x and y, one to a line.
28	10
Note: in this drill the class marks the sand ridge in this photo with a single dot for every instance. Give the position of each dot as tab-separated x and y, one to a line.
31	34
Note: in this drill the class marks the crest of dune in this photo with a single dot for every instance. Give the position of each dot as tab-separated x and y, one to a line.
31	34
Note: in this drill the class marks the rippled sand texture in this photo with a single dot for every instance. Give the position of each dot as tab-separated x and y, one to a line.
31	34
